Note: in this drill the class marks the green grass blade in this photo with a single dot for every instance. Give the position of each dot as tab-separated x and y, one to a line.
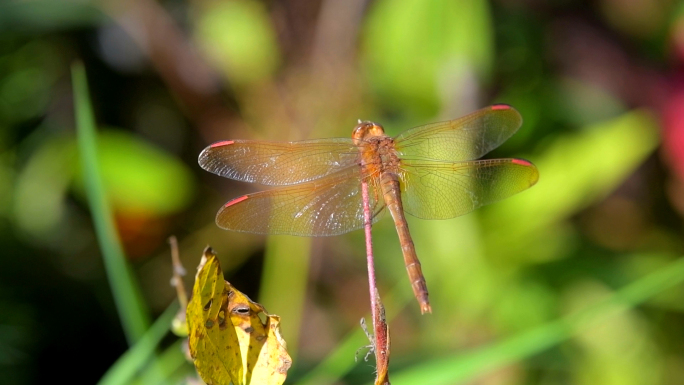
135	358
467	366
283	284
132	310
166	366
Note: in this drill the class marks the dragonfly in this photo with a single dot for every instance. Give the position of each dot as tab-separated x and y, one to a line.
429	172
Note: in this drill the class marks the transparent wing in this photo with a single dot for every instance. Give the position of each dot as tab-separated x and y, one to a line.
276	164
328	206
442	190
465	138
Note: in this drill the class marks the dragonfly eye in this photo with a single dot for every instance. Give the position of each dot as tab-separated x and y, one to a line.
367	129
376	130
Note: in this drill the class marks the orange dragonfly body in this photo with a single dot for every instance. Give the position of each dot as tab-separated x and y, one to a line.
430	172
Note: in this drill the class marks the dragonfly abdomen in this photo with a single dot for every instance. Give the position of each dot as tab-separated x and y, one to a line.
391	193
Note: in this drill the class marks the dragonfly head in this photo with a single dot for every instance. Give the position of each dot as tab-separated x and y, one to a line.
365	130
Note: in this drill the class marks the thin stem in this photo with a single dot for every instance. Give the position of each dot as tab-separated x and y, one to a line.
380	342
178	273
372	287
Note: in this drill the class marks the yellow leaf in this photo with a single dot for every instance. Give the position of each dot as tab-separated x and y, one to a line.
228	341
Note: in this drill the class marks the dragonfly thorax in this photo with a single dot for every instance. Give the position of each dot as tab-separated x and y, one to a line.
378	155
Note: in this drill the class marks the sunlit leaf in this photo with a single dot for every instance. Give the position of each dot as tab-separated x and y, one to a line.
228	341
139	176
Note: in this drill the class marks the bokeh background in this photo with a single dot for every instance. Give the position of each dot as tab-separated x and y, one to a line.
600	85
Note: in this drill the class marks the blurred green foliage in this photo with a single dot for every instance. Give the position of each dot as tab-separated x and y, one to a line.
239	38
137	178
575	281
417	51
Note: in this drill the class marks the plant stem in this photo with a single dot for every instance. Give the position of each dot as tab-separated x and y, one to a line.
380	342
372	286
